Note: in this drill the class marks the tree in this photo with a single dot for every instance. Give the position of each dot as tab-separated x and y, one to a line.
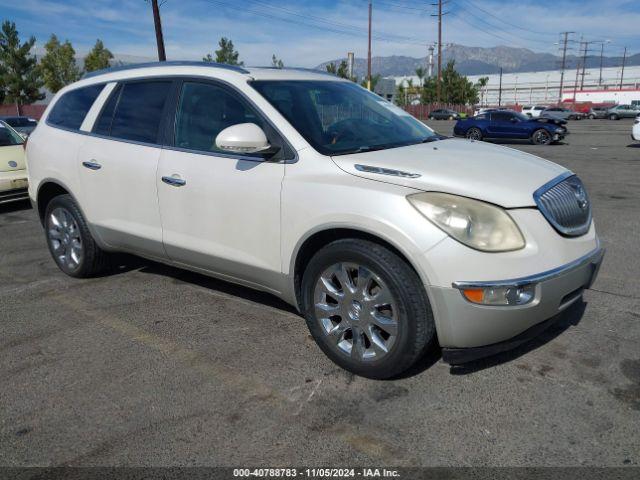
421	73
482	84
341	70
98	58
19	72
456	88
374	82
276	62
226	54
58	65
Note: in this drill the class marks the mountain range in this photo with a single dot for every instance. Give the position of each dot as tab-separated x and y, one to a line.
479	61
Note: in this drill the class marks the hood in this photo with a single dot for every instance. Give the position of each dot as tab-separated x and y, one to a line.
498	175
11	158
554	120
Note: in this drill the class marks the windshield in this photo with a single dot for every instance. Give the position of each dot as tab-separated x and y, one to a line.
8	137
337	118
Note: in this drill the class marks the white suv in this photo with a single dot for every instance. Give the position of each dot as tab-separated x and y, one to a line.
388	238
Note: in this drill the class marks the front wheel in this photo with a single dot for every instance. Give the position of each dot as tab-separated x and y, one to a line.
474	134
541	137
613	117
592	117
366	308
71	245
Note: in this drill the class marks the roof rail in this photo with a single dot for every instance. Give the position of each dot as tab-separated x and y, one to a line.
297	69
173	63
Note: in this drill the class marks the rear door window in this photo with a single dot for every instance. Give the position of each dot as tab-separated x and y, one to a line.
70	110
501	117
135	111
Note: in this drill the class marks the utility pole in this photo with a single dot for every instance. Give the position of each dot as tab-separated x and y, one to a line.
159	38
438	86
624	60
575	85
369	51
601	62
500	90
584	63
565	43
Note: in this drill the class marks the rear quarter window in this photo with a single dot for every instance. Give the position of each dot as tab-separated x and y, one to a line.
70	110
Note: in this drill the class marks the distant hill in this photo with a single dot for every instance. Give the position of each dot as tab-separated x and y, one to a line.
478	61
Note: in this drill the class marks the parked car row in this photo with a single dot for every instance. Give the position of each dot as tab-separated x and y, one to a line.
615	112
635	132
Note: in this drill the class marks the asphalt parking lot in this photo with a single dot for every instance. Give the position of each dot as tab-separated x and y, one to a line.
156	366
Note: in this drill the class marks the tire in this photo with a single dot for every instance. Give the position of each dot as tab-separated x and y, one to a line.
70	243
541	137
450	117
474	134
592	117
336	310
613	116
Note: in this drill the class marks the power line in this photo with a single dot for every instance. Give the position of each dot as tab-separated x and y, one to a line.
519	27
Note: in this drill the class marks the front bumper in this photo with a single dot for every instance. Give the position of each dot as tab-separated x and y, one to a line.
473	331
13	186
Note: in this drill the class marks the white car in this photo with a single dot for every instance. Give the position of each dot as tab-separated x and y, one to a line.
635	132
533	111
387	237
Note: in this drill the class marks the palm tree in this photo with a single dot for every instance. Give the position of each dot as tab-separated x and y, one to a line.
482	84
421	73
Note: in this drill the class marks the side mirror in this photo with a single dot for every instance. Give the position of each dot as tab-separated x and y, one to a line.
243	138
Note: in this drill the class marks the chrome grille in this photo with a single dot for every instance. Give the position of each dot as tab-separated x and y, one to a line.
565	204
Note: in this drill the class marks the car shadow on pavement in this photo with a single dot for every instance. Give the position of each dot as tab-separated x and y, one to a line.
570	317
633	145
15	206
210	283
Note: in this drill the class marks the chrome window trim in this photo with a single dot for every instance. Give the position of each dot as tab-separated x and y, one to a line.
184	77
568	232
593	257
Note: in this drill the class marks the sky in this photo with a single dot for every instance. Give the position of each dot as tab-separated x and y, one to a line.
305	32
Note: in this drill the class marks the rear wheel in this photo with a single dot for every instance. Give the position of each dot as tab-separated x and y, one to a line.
366	308
474	134
592	117
613	116
69	240
450	117
541	137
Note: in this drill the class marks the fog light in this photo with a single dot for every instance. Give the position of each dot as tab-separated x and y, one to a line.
504	295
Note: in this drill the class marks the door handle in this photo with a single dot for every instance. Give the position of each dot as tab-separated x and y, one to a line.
92	165
174	182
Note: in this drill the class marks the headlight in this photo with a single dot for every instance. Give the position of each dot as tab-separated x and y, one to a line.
559	130
476	224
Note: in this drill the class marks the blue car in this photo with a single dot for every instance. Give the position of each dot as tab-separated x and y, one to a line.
508	124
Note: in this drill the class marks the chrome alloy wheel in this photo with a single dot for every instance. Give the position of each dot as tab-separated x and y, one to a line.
64	237
356	311
542	137
474	134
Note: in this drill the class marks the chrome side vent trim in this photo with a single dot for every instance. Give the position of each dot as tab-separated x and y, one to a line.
386	171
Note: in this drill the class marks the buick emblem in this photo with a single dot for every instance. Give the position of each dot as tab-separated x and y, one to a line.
581	196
